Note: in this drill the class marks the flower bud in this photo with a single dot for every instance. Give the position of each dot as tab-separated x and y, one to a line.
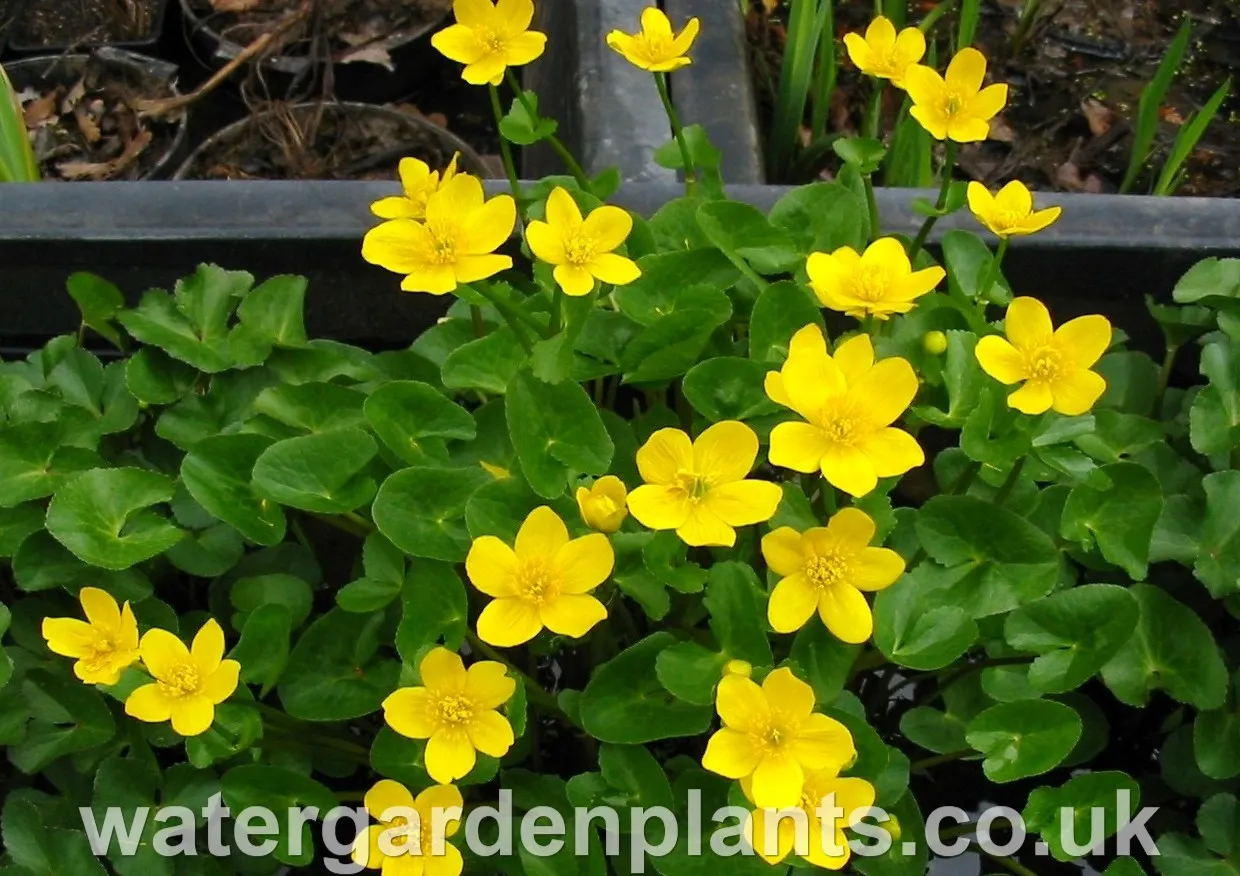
934	343
602	504
738	667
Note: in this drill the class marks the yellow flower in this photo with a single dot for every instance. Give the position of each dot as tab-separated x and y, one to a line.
105	644
189	682
655	47
488	38
1009	212
581	249
1053	363
699	488
455	244
879	282
827	568
400	848
602	504
419	183
850	402
455	711
738	667
884	55
828	844
545	582
955	107
772	736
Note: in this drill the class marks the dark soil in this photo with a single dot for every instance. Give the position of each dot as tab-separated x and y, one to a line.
1074	87
87	127
330	142
74	23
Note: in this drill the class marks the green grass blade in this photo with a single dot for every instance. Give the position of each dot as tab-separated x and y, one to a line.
17	162
897	11
908	162
1151	99
970	13
1186	141
826	71
806	19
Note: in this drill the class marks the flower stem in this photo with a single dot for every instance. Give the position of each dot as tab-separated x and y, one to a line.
553	141
345	523
1164	377
992	274
505	149
475	316
533	690
1008	864
875	110
510	315
871	204
1005	490
678	132
557	311
949	162
940	759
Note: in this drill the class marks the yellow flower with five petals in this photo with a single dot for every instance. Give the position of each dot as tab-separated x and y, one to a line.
884	54
879	282
456	244
104	644
1009	212
581	249
411	836
602	504
544	582
772	736
828	844
828	569
488	38
849	402
655	47
418	182
955	106
699	488
1053	363
455	711
189	682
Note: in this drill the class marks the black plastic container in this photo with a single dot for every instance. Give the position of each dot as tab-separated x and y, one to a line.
18	46
160	76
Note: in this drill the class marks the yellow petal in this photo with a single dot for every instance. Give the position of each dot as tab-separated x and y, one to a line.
192	715
220	684
488	684
1027	324
406	864
659	507
545	242
398	245
741	704
881	35
725	452
771	835
781	548
1014	198
989	102
968	130
773	384
811	377
892	452
655	23
574	280
489	70
852	527
449	756
148	703
456	199
925	86
846	614
793	696
849	469
875	568
1083	340
1033	398
442	798
459	43
831	274
491	566
1039	220
490	733
506	623
386	794
742	503
208	646
367	851
859	52
910	47
966	71
798	446
917	284
442	671
572	615
450	863
127	639
704	528
472	268
68	636
1076	392
1000	359
584	563
614	269
885	392
432	279
100	608
927	116
514	16
489	225
777	782
792	603
664	456
608	227
523	48
730	754
889	252
163	653
408	711
473	13
981	203
542	534
823	743
855	357
562	211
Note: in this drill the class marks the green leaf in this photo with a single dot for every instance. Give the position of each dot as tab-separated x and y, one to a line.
279	790
1117	435
728	388
325	472
155	378
68	717
672	282
625	704
522	128
1213	281
384	566
407	414
263	649
41	563
1170	649
555	429
35	461
1218	822
488	364
780	311
744	232
104	517
919	636
1024	739
735	601
1179	855
422	510
433	607
1075	633
690	672
1068	811
273	313
996	560
16	524
37	849
224	405
670	347
127	784
207	553
963	379
1214	420
968	261
249	593
822	217
632	770
864	153
218	473
326	681
312	407
98	300
1214	742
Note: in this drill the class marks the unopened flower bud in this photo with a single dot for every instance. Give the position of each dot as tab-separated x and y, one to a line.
934	343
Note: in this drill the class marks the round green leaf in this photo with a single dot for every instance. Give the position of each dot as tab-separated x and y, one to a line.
35	461
218	472
1120	520
406	413
555	428
324	472
1024	739
1069	809
728	388
333	674
915	635
421	510
279	790
735	602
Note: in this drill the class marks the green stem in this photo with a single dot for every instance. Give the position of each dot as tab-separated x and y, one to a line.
949	162
875	110
475	315
940	759
533	690
557	311
933	16
358	520
510	315
344	523
743	266
678	132
1009	864
871	204
1164	377
1009	484
992	274
552	140
505	149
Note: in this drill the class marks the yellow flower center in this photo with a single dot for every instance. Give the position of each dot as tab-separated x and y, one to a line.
454	710
872	282
443	243
953	105
493	40
579	249
103	649
183	681
656	47
694	485
826	571
840	430
537	581
1044	364
772	738
604	505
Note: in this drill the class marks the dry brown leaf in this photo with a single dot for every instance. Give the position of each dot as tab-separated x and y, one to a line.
1001	131
1068	177
86	124
100	170
1099	116
76	93
1171	114
369	55
40	110
234	5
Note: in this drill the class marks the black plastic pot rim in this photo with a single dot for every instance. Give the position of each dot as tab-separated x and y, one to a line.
147	42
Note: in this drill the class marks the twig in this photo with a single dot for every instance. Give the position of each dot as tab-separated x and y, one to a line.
166	106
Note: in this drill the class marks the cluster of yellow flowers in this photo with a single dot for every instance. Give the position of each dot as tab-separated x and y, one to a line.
189	682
